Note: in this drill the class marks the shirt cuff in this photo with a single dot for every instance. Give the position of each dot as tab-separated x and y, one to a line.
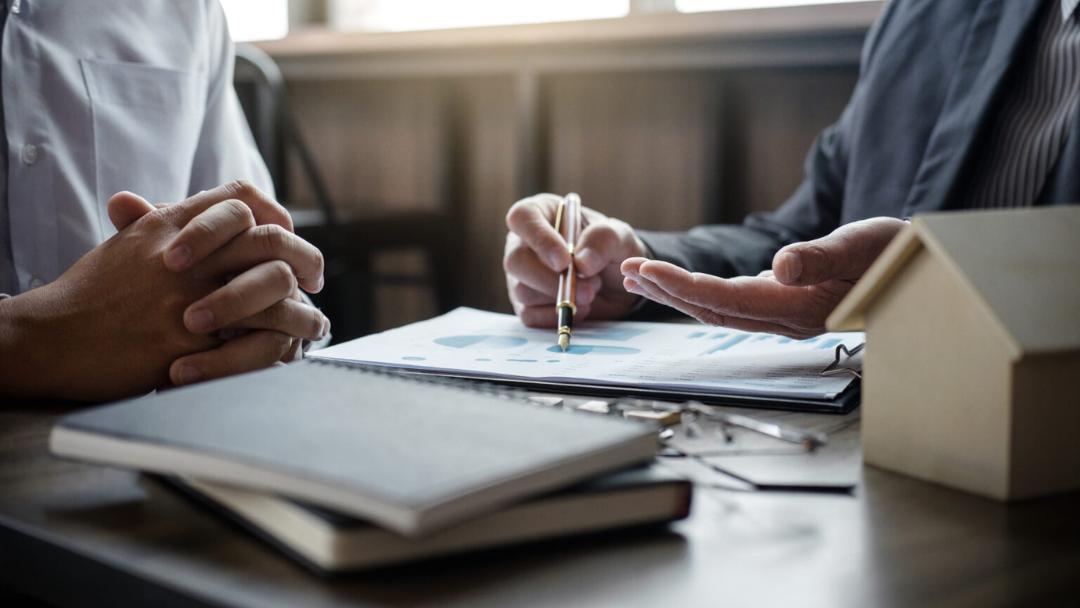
314	344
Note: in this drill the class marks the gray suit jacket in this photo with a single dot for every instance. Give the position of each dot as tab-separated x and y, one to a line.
931	74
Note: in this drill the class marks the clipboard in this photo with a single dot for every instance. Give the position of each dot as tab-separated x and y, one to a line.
843	403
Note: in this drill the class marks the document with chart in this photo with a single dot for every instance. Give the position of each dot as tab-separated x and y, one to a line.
678	358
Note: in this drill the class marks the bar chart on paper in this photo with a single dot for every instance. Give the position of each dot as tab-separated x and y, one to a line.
663	356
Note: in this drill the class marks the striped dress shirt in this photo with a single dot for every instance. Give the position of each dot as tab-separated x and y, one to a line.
1034	117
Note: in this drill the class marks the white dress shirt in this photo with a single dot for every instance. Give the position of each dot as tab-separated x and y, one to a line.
101	96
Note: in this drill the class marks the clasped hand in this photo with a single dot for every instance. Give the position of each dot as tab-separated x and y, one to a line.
149	307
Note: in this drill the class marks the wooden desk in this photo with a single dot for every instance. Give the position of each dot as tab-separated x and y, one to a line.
75	534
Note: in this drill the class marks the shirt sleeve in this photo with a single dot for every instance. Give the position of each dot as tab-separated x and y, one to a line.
813	210
226	149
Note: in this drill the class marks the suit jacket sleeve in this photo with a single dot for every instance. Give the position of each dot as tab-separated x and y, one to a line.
811	212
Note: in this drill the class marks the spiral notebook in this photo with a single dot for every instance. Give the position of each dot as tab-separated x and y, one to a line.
408	454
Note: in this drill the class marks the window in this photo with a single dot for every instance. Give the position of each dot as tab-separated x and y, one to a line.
404	15
257	19
269	19
697	6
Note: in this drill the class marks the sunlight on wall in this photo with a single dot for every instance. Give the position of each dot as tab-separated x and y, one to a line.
257	19
697	6
402	15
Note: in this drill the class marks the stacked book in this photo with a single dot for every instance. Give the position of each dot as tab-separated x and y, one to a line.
347	469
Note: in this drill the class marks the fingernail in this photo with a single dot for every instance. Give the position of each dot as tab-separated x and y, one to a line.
188	374
555	260
320	284
788	267
588	260
200	320
325	331
178	257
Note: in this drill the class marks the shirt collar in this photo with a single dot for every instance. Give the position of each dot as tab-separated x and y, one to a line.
1068	7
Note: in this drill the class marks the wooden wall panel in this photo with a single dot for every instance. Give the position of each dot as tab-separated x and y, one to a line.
773	118
487	160
638	146
378	143
660	149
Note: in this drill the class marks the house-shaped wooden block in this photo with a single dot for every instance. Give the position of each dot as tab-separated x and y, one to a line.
971	376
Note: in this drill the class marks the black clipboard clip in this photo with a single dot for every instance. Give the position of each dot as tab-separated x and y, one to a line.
836	368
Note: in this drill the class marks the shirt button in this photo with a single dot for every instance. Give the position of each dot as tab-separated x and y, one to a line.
30	154
36	282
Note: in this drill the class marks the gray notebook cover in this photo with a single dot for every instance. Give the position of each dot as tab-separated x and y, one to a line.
410	444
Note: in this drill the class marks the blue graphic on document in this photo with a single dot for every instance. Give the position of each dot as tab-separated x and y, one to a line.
480	341
617	334
595	349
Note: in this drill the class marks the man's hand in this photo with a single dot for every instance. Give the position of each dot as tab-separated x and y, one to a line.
111	324
536	254
242	241
806	282
114	322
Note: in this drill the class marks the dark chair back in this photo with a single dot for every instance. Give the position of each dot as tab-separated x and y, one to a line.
350	247
261	89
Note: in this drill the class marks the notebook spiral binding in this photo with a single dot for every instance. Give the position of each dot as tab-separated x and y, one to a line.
509	393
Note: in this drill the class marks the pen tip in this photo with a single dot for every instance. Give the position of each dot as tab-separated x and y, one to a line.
564	342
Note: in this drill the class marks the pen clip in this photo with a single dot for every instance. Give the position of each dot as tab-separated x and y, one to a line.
559	215
572	219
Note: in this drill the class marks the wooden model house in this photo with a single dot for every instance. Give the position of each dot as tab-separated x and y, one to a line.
971	376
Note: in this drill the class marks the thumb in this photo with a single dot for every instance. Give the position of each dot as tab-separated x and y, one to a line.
126	207
844	254
598	248
605	244
530	219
